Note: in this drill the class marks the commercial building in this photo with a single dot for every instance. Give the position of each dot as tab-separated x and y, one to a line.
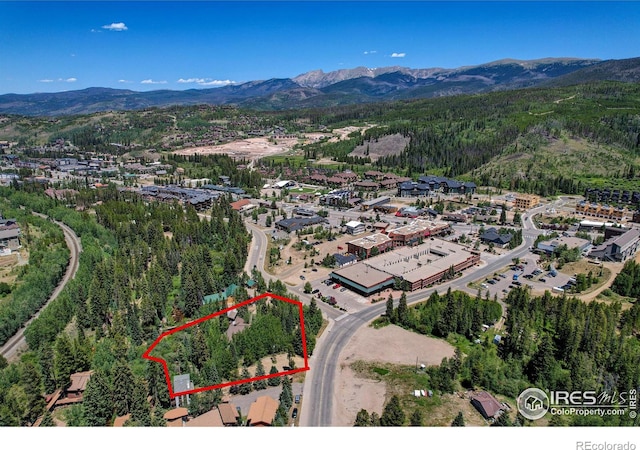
600	210
364	246
355	227
551	245
298	223
618	248
526	201
416	231
375	202
417	267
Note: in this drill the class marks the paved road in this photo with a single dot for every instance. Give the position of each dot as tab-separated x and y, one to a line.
319	387
17	342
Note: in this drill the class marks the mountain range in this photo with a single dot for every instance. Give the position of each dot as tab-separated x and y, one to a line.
348	86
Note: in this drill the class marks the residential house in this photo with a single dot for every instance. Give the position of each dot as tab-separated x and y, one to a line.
486	404
262	412
229	414
74	393
176	417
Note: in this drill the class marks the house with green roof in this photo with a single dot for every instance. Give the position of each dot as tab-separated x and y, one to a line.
221	296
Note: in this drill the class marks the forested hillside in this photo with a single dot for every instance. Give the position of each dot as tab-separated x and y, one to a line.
144	267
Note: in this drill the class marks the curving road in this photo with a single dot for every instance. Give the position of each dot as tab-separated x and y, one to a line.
17	342
319	392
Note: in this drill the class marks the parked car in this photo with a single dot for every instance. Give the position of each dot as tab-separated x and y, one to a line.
295	413
315	291
336	286
302	277
297	398
343	289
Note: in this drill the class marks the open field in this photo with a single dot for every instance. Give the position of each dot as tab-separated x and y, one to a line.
388	345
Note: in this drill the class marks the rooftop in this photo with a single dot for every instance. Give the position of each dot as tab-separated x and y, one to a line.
263	410
370	241
79	381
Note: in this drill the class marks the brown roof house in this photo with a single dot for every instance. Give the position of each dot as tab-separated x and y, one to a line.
208	419
486	404
74	393
229	414
262	412
176	417
225	415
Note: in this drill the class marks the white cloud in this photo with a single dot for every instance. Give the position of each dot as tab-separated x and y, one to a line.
190	80
205	81
217	83
370	52
398	55
119	26
46	80
125	81
150	81
71	80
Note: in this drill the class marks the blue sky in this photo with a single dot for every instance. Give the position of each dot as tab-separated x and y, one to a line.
57	46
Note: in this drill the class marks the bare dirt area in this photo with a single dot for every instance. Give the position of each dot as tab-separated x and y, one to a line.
390	344
384	146
258	147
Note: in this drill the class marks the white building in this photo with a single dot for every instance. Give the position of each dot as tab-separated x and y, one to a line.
355	227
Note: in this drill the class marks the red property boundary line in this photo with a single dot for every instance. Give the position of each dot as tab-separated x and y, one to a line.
147	354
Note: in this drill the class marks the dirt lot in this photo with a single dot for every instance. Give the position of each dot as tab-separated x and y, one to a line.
260	147
390	344
247	148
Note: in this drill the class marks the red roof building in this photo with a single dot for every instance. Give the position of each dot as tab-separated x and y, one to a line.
486	404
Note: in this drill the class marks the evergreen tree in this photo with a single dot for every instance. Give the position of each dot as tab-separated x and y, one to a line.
389	309
259	385
458	421
245	388
274	381
286	396
32	382
97	404
157	385
362	419
392	415
64	361
416	418
122	388
140	408
403	311
46	361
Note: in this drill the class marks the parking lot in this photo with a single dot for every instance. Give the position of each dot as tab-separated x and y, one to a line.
342	296
526	273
